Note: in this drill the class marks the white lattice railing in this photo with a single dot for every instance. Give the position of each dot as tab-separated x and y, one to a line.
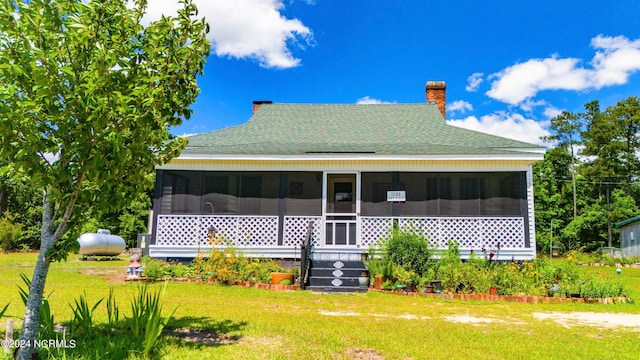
470	232
234	230
262	231
295	229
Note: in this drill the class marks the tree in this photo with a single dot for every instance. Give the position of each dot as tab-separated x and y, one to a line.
20	198
626	114
567	128
87	94
613	138
591	228
552	193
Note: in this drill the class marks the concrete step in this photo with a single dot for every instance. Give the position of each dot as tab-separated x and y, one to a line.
336	276
337	264
337	273
332	281
342	289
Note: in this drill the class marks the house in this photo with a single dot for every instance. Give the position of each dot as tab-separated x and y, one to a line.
629	232
352	171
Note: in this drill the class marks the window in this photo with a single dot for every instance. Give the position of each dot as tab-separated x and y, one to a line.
446	194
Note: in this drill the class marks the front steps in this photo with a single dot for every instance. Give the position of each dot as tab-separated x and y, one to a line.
337	276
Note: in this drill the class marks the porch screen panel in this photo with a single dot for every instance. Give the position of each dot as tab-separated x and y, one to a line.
447	196
414	185
181	192
258	193
469	194
220	193
504	194
304	193
459	194
374	187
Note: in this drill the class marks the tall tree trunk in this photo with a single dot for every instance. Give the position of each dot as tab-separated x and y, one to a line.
573	180
31	323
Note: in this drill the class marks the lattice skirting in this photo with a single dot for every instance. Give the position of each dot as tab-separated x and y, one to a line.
262	231
470	232
230	230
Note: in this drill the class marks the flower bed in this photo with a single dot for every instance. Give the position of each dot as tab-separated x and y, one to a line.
248	284
220	266
406	261
509	298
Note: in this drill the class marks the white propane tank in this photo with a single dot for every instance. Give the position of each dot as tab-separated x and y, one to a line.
101	244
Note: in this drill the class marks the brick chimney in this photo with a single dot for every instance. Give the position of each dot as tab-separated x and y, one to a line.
258	103
437	92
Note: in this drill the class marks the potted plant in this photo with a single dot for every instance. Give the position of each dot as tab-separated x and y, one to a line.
363	279
380	269
283	277
408	279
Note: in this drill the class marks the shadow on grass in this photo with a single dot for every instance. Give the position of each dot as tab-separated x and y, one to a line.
118	342
202	331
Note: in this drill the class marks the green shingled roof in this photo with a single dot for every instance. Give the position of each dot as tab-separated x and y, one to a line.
382	129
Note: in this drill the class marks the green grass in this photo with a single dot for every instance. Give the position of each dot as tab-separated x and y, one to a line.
247	323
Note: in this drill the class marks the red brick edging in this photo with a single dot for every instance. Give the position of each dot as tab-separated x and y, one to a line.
508	298
446	296
248	284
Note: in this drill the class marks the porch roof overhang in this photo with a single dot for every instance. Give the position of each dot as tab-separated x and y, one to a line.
189	161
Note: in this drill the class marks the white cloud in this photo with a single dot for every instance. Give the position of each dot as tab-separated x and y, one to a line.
473	81
615	59
551	112
368	100
504	124
246	29
529	104
620	58
459	105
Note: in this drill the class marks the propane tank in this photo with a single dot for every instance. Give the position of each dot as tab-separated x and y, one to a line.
101	243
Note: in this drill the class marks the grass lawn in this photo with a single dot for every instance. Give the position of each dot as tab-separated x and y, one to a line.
232	322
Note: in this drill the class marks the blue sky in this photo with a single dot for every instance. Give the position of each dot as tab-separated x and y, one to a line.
509	66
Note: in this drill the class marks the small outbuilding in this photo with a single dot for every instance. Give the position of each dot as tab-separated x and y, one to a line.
629	233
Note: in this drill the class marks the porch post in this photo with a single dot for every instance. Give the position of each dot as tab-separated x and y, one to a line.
282	203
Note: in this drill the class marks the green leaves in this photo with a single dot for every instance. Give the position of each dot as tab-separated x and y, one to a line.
88	82
83	315
604	170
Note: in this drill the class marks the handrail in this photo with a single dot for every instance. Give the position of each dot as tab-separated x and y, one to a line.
305	256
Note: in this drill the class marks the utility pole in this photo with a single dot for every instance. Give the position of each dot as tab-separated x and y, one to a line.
608	215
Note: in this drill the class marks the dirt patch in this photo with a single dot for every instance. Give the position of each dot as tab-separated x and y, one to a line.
605	320
351	313
110	275
467	319
359	354
339	313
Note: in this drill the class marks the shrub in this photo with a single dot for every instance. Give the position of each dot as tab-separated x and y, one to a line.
9	231
152	268
410	249
380	267
259	270
450	267
178	270
602	286
405	277
224	266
